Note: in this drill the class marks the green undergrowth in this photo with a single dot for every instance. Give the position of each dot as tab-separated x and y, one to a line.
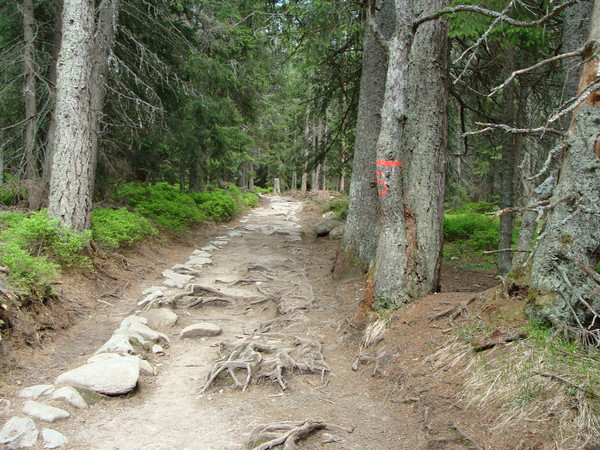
339	207
114	228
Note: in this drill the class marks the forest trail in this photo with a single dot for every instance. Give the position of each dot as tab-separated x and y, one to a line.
264	260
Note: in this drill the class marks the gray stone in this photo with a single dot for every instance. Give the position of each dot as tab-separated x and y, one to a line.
151	297
111	377
328	215
337	233
71	396
44	412
118	343
324	228
53	438
219	243
158	350
201	254
146	368
36	391
19	432
198	261
173	279
140	328
160	318
4	407
201	329
234	234
153	289
185	270
209	248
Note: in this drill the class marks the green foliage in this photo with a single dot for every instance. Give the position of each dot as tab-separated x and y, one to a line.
119	228
479	230
34	247
162	203
216	205
260	190
339	208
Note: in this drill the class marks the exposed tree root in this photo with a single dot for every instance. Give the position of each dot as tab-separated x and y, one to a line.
264	437
263	361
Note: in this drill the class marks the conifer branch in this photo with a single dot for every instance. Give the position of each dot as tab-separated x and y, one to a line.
512	130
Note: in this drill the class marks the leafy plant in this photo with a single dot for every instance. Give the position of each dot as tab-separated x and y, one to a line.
339	208
118	228
481	233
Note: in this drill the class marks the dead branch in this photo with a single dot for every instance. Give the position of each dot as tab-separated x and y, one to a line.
506	250
570	383
199	301
500	16
505	339
551	154
583	95
446	313
288	433
512	130
464	435
573	54
543	205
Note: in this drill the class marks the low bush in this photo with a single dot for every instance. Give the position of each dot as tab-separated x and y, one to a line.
162	203
34	247
216	205
113	228
339	208
476	228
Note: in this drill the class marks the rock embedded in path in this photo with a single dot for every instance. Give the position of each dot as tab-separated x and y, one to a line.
160	318
137	325
174	279
201	329
53	438
185	270
151	297
71	396
113	376
36	391
201	254
44	412
19	432
324	228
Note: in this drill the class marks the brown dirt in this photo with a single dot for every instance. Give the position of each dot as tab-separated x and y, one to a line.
393	393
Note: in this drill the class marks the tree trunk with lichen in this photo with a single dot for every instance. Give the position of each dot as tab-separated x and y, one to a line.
411	157
565	288
88	36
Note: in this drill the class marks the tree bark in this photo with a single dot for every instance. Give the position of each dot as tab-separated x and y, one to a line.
411	156
361	231
80	92
32	169
564	285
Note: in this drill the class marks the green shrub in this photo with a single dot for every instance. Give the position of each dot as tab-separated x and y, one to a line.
162	203
40	235
260	190
11	191
339	208
479	230
216	205
476	207
25	269
119	228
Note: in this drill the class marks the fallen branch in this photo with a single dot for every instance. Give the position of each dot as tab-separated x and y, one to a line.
465	436
200	301
570	383
288	433
503	339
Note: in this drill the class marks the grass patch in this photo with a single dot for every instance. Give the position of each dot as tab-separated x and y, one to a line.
339	207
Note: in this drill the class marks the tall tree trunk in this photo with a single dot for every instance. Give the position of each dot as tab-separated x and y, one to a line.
564	285
51	133
32	172
80	92
361	231
411	158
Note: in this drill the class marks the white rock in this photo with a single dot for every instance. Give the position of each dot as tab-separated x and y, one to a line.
201	254
4	407
44	412
209	248
199	261
36	391
175	279
153	289
19	432
146	367
130	320
185	270
53	438
219	243
201	329
234	234
158	350
160	318
118	343
112	377
143	330
151	297
70	395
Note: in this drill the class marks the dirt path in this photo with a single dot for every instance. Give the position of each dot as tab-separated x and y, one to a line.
170	410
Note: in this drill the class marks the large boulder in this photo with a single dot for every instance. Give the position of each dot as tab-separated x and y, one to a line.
113	376
19	432
324	228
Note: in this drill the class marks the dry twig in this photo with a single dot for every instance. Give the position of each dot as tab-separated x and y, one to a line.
288	433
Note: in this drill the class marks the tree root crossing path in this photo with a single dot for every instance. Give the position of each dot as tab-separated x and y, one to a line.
240	347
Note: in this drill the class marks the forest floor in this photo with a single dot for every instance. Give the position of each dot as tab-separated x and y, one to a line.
395	387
